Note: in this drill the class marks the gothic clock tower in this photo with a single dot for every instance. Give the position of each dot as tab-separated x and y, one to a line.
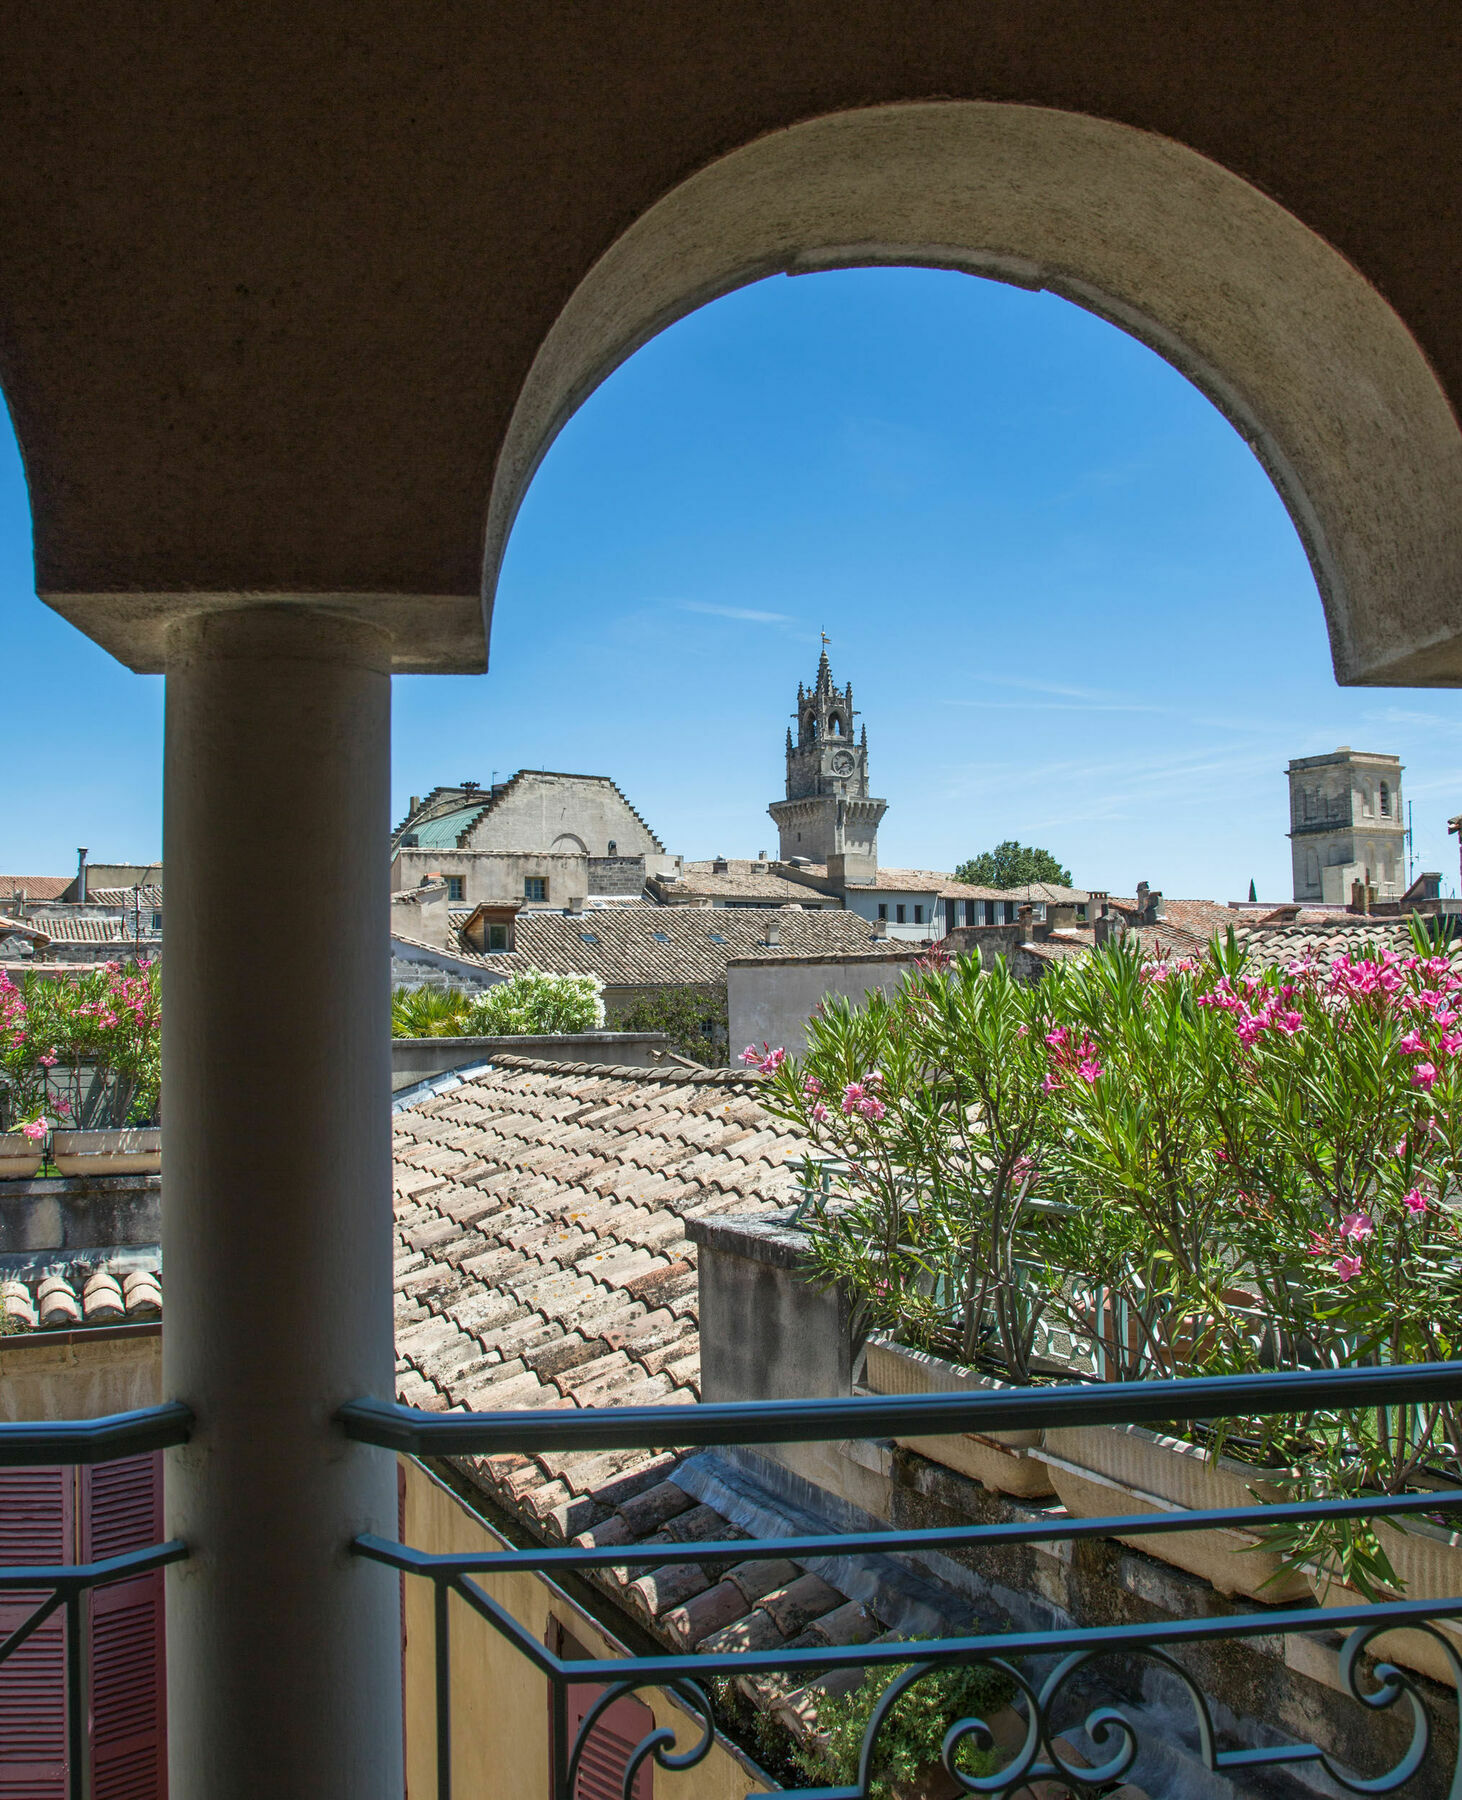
827	815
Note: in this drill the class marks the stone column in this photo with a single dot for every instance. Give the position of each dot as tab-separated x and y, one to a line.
284	1652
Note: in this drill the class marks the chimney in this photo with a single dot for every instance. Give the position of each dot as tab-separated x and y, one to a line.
1142	892
415	805
1155	911
575	905
719	865
1026	918
880	928
774	935
81	874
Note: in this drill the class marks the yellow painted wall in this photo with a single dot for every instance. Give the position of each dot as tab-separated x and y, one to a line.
500	1715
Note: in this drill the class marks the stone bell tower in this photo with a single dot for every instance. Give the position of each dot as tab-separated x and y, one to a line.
827	816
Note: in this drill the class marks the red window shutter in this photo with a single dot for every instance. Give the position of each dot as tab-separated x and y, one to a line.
121	1510
611	1742
36	1526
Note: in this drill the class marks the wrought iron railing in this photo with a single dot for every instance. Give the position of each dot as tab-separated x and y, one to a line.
1043	1668
63	1587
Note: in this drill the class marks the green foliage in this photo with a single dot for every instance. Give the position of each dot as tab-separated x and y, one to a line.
693	1020
911	1738
82	1050
534	1001
1194	1167
1011	865
529	1003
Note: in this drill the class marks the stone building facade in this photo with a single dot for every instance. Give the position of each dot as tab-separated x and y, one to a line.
1347	826
541	839
828	815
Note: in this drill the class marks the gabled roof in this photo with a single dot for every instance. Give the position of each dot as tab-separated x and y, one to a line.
35	887
670	945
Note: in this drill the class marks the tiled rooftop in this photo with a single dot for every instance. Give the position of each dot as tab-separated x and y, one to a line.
739	879
52	1303
35	887
543	1262
542	1256
653	945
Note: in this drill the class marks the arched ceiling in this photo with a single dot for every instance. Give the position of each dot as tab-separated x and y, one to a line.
272	284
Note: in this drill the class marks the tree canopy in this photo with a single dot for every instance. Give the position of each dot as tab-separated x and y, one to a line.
1011	865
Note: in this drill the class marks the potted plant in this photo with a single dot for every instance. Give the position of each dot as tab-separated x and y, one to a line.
23	1151
97	1039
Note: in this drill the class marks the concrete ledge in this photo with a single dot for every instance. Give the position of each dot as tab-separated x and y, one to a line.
79	1212
418	1059
767	1331
766	1238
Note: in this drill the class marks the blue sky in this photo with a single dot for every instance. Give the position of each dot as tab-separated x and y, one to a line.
1072	607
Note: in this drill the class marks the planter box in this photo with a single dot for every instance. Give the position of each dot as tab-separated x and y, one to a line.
129	1152
1429	1561
1002	1460
1098	1470
20	1156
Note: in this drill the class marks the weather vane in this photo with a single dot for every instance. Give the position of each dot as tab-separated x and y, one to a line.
825	638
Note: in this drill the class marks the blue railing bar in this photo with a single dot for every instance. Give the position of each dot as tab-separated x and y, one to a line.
695	1665
945	1537
394	1427
69	1577
47	1442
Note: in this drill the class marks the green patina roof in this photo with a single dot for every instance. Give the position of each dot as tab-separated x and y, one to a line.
442	833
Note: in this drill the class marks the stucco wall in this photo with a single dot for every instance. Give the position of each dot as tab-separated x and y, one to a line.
496	877
539	808
80	1374
80	1213
770	1002
499	1702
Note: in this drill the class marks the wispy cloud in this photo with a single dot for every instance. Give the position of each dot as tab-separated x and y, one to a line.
747	615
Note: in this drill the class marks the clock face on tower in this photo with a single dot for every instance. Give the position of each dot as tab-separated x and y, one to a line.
842	763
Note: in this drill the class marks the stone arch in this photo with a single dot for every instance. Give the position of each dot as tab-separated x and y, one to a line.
1280	331
568	843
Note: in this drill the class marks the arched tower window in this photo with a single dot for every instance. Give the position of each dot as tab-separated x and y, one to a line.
1385	800
835	725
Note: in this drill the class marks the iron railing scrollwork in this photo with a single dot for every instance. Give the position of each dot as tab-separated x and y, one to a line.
1047	1670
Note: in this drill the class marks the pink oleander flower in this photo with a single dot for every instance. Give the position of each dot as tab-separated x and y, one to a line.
811	1085
873	1079
1347	1267
1451	1042
1290	1023
820	1114
1424	1076
1414	1202
1090	1071
773	1061
113	968
1050	1085
48	1061
872	1109
1412	1044
1057	1038
1319	1246
36	1130
64	1108
1357	1227
1022	1031
751	1055
852	1094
